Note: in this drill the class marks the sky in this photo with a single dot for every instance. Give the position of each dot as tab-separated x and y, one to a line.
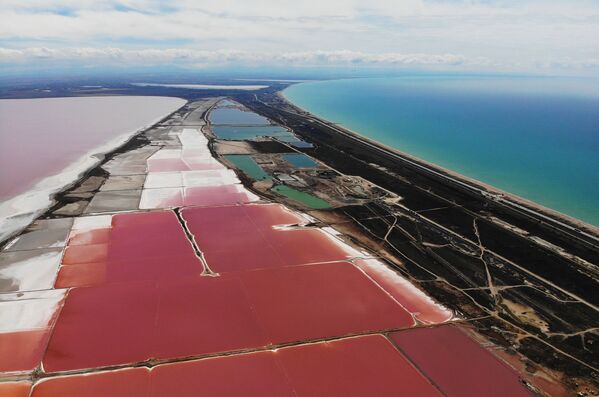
530	36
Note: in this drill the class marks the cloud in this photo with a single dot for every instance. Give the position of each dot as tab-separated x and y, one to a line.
490	33
190	56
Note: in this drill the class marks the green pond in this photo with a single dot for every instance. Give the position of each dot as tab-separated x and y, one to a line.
301	197
249	167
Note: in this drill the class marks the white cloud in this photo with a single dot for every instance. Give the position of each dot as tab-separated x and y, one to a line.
190	56
525	33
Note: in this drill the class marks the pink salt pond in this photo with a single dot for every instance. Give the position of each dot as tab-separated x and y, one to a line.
137	246
323	300
422	307
22	351
246	217
26	321
458	365
196	196
361	366
229	237
135	321
358	366
131	382
15	389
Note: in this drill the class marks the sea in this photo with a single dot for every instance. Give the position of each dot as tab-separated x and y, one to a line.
536	137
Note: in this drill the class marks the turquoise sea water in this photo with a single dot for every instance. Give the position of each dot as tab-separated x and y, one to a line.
537	138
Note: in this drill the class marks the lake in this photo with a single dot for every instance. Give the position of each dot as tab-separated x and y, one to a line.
47	143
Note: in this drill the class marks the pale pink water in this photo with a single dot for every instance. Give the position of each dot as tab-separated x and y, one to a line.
40	137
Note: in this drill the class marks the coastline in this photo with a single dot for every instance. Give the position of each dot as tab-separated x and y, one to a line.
18	212
429	249
447	234
562	219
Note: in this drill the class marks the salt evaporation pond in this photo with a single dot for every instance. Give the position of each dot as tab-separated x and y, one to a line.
300	160
249	167
240	133
235	116
46	143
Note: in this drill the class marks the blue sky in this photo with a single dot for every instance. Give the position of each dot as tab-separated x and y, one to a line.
547	37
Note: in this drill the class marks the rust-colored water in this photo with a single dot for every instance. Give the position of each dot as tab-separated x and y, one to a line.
15	389
229	237
22	350
254	374
101	326
131	382
458	365
309	302
422	307
363	366
141	293
128	322
353	367
205	315
138	246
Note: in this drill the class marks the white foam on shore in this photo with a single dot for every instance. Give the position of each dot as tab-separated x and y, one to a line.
18	212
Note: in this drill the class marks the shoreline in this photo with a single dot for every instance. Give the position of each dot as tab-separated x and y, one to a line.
505	197
505	258
41	197
159	250
442	262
